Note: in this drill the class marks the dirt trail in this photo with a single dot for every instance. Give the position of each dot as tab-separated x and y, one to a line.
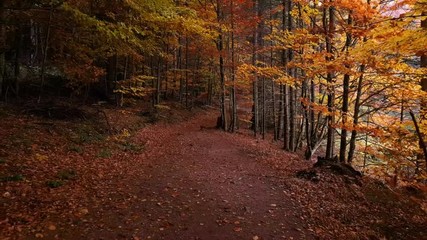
200	183
191	181
187	180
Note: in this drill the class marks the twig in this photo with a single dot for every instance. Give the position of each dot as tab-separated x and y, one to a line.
110	129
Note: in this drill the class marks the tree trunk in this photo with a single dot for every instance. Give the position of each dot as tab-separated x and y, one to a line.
46	48
292	93
357	105
2	46
345	96
166	64
233	80
352	146
285	96
111	75
186	72
423	110
210	88
220	48
181	82
329	30
17	68
158	81
255	83
280	115
286	118
420	136
273	85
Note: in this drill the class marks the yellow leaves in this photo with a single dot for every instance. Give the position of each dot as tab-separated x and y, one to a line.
246	72
297	39
162	107
41	157
198	27
122	136
137	86
285	79
315	106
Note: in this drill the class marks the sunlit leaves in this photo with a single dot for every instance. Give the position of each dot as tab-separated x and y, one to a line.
137	86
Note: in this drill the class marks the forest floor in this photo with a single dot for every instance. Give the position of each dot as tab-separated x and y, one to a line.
179	178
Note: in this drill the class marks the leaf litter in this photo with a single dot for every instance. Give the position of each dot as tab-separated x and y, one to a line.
186	181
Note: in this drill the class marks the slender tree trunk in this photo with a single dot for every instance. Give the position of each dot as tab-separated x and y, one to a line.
309	120
285	98
175	69
220	47
264	107
345	96
111	76
166	64
263	87
343	142
280	115
357	105
273	99
210	87
46	48
273	85
17	68
352	146
329	30
233	90
292	115
286	118
424	65
255	83
153	82
306	118
423	110
292	93
186	71
420	136
158	81
312	115
125	76
2	46
181	79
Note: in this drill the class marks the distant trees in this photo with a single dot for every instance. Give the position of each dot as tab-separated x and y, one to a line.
118	48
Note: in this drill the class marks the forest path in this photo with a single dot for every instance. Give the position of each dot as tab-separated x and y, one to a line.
185	180
200	183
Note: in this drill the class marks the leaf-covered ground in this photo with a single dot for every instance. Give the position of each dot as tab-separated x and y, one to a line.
179	179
